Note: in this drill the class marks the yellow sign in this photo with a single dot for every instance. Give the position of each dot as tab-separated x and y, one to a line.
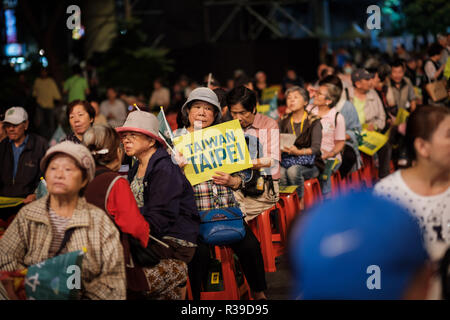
447	69
288	189
263	108
270	93
372	142
218	148
401	117
215	278
6	202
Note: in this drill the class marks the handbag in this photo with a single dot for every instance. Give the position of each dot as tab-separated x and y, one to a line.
222	226
437	90
290	160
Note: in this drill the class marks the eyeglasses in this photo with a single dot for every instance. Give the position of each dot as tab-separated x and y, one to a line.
318	93
130	136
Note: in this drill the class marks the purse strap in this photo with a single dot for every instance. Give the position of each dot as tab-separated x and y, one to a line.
67	236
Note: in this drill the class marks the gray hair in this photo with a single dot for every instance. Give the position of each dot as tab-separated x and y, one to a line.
103	142
304	93
334	93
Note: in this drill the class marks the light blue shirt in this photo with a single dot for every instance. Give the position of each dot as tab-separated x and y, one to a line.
17	151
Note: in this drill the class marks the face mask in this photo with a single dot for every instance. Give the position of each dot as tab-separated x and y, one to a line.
348	70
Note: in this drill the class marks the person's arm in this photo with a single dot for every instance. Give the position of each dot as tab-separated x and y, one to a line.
316	141
13	246
110	282
339	138
379	120
225	179
56	94
86	87
151	103
166	98
164	194
66	87
122	206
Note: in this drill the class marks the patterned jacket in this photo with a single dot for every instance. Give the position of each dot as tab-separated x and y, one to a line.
27	241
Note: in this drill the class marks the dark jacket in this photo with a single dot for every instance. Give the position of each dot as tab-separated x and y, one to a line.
28	170
169	203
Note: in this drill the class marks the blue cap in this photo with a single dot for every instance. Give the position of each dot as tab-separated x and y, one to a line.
358	241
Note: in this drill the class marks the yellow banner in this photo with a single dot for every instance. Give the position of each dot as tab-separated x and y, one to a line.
6	202
218	148
401	117
372	141
269	93
447	69
263	108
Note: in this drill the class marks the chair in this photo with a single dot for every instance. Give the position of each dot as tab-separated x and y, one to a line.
189	295
354	180
369	171
336	184
391	167
291	204
312	192
231	289
270	241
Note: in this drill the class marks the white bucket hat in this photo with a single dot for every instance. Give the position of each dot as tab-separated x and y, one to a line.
78	152
202	94
142	122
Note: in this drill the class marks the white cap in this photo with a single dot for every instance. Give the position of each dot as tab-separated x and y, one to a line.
16	115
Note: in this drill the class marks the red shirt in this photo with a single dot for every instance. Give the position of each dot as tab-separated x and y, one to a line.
122	206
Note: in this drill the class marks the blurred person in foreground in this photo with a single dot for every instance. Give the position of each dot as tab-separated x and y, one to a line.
351	248
424	188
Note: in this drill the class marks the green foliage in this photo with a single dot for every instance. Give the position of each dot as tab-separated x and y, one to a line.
424	16
131	64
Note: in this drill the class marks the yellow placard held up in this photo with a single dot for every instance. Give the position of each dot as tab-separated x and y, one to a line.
372	141
263	108
6	202
401	117
447	69
270	93
218	148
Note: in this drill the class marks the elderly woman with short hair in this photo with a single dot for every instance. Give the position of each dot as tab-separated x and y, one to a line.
333	127
200	111
308	130
162	192
81	116
64	222
111	192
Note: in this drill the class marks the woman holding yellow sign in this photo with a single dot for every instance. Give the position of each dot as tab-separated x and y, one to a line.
202	110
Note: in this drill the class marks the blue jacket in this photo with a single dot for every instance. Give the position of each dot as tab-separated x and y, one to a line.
169	203
353	129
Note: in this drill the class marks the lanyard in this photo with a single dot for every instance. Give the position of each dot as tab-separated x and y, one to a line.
301	125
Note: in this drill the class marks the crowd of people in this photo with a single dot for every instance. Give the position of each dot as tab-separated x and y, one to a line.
147	244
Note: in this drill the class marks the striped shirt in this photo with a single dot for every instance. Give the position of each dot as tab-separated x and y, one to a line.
59	225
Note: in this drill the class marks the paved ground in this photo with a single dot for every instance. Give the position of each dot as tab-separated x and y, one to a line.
278	283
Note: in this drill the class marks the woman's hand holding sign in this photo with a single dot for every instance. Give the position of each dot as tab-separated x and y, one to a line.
179	159
226	179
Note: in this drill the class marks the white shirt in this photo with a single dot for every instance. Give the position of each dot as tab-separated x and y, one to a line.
117	109
433	212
